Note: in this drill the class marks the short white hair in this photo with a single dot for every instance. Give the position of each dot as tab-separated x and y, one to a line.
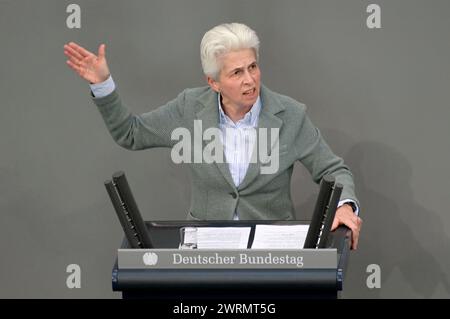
223	39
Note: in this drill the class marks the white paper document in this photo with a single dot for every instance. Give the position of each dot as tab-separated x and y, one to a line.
280	236
223	237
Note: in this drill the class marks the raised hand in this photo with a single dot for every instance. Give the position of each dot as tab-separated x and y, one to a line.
91	67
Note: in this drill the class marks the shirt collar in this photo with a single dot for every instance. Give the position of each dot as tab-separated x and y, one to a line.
250	118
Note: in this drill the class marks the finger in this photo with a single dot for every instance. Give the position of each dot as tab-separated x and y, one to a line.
355	234
70	51
71	56
350	223
82	51
352	217
74	60
102	51
355	238
357	221
73	66
76	68
335	224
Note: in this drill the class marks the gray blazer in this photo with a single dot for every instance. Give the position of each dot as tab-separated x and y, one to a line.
214	195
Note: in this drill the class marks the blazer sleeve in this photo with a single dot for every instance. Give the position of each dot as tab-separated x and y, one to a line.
137	132
315	154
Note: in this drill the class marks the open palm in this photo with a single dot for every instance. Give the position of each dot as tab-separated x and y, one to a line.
91	67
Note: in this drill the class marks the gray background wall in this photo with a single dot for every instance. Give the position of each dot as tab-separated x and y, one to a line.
380	97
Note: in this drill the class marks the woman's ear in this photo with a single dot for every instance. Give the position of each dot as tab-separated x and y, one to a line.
213	84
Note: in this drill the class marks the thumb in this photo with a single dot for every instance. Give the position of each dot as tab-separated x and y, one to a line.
335	224
102	51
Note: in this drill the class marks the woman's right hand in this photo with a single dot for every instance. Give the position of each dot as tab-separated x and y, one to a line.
89	66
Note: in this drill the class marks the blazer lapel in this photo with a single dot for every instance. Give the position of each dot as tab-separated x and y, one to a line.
267	119
209	115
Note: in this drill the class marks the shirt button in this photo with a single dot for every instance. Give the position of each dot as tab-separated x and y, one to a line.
234	195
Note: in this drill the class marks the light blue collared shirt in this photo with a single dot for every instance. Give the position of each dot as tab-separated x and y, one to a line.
238	140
